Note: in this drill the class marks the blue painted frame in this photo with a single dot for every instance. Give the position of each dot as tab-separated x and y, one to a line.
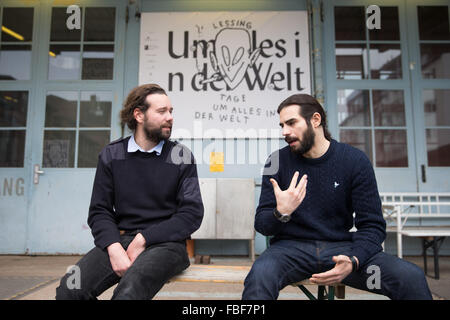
437	177
15	226
389	179
31	238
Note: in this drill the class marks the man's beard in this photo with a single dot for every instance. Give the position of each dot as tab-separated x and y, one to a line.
306	144
156	134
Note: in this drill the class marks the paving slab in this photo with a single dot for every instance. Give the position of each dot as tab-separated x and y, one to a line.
36	278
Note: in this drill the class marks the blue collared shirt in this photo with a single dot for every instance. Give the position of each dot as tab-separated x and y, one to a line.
133	146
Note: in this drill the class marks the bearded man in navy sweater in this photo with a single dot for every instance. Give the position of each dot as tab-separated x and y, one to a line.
145	203
309	220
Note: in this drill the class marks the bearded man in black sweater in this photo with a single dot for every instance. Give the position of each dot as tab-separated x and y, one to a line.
310	219
145	203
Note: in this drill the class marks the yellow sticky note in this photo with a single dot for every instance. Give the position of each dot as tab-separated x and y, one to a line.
216	162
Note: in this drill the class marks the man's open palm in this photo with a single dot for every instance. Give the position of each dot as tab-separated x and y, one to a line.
289	199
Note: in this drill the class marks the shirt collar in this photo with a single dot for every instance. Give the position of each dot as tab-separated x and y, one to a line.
133	146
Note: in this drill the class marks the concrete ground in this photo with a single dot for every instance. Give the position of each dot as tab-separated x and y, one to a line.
36	278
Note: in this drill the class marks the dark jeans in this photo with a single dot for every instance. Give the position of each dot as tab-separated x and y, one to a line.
145	277
289	261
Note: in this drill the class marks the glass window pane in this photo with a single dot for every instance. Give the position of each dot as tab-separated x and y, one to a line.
61	109
385	61
12	148
391	148
64	62
388	108
95	109
353	108
435	60
59	149
59	30
100	24
98	62
437	107
438	147
90	145
15	62
357	138
389	25
351	61
13	108
350	23
433	23
17	24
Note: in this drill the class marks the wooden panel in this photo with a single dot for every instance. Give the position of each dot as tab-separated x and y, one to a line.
233	274
207	229
213	273
235	209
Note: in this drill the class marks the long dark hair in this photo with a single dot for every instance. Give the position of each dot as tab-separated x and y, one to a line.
308	106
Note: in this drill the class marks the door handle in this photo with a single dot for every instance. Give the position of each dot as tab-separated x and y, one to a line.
36	174
424	174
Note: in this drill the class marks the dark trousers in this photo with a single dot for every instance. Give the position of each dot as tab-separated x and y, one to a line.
289	261
142	281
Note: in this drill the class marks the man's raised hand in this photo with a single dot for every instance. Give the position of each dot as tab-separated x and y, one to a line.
289	199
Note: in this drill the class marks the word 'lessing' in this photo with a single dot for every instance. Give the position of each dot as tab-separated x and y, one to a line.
11	186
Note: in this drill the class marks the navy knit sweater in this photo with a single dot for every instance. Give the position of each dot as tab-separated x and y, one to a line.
340	182
159	195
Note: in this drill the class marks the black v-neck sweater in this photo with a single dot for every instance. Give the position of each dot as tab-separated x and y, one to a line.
159	195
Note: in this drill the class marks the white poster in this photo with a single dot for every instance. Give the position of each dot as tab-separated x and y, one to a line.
226	72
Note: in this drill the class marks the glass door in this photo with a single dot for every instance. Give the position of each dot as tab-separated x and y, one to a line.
429	42
17	53
369	89
78	102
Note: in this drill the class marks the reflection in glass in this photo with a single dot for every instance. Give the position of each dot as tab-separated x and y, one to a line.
351	61
100	24
18	24
15	62
98	62
438	147
64	62
90	145
95	109
358	138
353	108
385	61
59	31
389	25
388	108
435	60
58	149
61	109
437	107
349	23
13	108
12	148
391	148
433	22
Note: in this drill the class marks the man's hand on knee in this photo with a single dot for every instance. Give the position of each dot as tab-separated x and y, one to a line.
340	271
120	262
136	247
